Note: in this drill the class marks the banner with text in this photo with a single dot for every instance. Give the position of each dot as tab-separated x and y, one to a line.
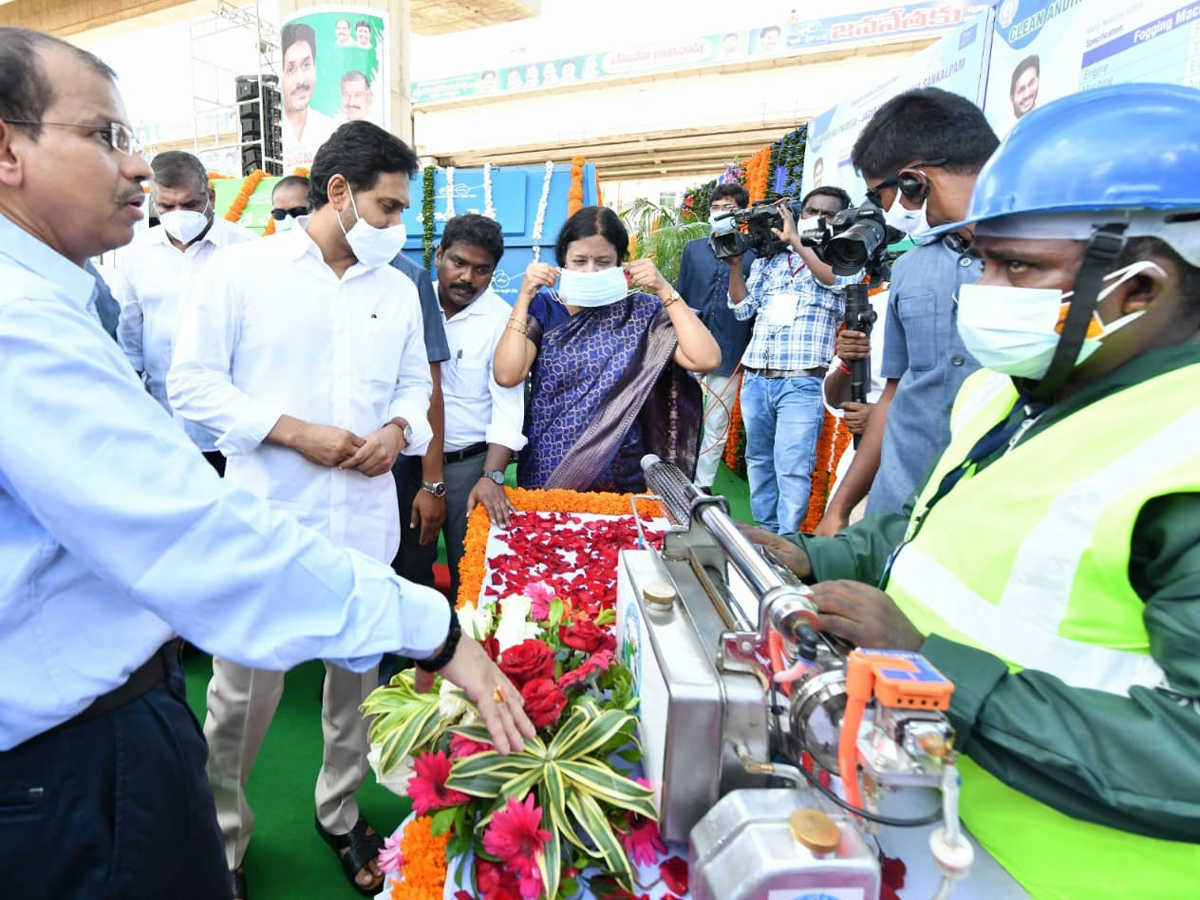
794	37
1045	49
956	63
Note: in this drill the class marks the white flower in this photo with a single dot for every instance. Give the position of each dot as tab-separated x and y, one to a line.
476	620
451	703
396	780
515	626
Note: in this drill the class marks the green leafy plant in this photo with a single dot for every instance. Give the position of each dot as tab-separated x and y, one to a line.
660	232
574	784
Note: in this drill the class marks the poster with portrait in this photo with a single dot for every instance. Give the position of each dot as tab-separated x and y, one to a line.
1045	49
334	70
956	63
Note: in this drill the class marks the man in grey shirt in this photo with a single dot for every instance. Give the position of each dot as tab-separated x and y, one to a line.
919	155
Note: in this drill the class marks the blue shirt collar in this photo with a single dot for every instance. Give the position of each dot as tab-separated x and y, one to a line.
28	252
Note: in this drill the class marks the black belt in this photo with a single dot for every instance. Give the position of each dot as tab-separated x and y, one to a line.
814	372
454	456
148	675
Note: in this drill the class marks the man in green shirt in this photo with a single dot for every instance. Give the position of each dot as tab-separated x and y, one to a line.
1050	564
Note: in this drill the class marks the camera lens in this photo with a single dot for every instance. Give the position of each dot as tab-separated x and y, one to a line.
850	250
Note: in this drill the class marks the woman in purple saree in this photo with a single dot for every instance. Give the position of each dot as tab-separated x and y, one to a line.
610	366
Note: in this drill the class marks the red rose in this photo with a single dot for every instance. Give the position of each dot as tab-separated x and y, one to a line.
491	647
544	702
528	660
587	636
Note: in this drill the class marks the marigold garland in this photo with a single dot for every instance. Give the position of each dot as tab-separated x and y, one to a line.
735	440
831	444
300	171
474	562
575	194
270	229
423	876
249	186
757	176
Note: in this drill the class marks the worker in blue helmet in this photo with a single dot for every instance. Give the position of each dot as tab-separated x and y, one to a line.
1050	565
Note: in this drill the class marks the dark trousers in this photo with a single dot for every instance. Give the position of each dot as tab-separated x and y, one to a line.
114	807
216	459
413	561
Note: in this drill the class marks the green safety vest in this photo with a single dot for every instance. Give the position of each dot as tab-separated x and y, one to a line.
1029	560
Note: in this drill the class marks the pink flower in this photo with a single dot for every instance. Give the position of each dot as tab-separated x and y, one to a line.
541	596
643	843
515	835
596	664
463	746
390	857
427	787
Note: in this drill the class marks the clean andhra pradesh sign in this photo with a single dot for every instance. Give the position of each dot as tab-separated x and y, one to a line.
782	39
957	63
1045	49
335	70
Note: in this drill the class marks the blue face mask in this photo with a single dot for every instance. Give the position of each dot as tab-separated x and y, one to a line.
591	289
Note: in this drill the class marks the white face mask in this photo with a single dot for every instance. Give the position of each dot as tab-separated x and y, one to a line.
912	222
592	289
184	225
370	245
287	223
1013	330
721	221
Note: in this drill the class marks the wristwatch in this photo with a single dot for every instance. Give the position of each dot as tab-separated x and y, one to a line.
437	488
406	431
496	475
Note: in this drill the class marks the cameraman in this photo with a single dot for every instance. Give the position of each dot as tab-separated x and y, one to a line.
919	155
704	282
799	305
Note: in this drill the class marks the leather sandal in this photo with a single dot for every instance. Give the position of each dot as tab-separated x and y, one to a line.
361	849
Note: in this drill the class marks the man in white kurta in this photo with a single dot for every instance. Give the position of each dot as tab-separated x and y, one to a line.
283	359
156	272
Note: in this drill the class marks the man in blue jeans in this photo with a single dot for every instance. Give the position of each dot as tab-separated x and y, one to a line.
799	305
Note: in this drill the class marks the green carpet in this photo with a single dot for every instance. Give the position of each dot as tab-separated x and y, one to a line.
287	860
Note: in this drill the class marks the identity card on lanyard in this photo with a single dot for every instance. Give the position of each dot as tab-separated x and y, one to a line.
780	311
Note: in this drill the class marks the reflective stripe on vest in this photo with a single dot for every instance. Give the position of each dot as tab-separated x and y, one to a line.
1028	560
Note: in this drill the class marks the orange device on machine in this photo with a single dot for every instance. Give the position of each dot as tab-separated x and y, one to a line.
900	679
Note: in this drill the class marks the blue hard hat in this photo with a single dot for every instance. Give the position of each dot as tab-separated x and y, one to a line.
1126	147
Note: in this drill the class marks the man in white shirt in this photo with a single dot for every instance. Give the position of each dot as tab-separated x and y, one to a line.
156	271
105	564
304	128
304	353
483	419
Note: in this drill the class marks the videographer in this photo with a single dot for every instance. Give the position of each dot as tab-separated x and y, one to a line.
920	155
704	282
799	306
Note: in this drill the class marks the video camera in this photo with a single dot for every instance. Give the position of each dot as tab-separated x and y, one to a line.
855	239
759	219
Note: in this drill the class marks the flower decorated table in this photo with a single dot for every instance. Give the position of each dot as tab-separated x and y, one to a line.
569	816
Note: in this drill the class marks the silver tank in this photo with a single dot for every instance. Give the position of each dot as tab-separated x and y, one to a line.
780	843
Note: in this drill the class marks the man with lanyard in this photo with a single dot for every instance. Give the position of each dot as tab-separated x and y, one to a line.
704	283
483	419
101	762
304	355
156	272
799	305
1050	567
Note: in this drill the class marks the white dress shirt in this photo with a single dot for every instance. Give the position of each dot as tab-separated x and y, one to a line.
477	408
102	562
151	283
269	331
